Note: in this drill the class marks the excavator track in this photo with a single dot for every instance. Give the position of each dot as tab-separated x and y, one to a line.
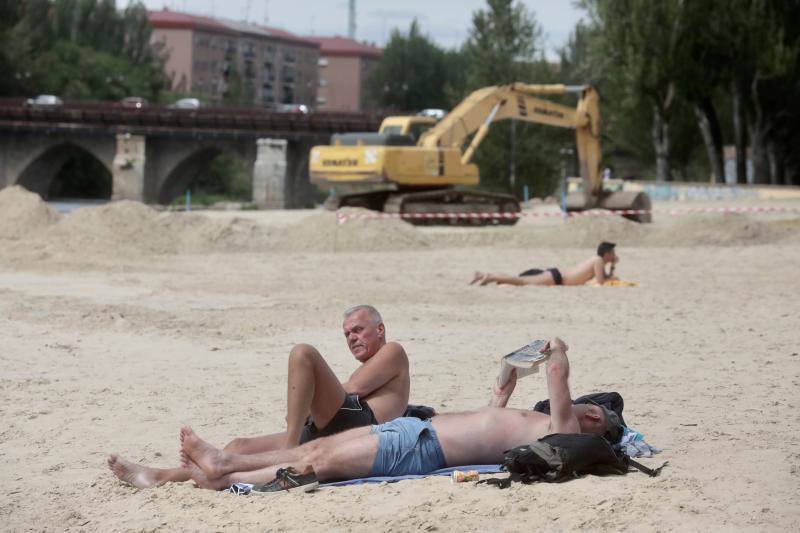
448	207
436	208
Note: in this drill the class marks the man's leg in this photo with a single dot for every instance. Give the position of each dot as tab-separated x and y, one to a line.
545	278
145	477
313	389
346	455
217	463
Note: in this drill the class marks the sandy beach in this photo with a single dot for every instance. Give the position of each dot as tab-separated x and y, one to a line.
119	324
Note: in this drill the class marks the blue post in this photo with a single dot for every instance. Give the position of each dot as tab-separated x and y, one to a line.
188	200
525	193
564	198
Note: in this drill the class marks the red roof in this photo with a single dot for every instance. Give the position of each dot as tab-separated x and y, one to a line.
341	46
173	19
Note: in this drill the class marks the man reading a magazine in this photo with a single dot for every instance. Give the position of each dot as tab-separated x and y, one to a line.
404	446
594	267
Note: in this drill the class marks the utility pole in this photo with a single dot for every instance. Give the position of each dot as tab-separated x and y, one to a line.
351	20
247	11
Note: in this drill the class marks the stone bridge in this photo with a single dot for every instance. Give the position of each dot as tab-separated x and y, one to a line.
153	153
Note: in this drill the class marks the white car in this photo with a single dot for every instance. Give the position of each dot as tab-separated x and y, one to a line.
438	114
45	100
293	108
187	103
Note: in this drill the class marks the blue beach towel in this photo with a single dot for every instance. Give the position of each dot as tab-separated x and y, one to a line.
241	489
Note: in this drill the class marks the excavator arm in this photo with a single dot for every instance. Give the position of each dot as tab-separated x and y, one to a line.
519	101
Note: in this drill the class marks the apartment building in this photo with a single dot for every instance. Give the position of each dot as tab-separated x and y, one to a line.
344	67
207	56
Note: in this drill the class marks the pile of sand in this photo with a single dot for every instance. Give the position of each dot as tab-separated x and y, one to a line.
131	228
23	213
713	230
322	232
125	228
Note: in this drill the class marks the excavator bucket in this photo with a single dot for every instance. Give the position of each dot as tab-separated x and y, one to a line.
633	205
636	202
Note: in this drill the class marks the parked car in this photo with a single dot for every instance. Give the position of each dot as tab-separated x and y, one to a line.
45	100
133	102
187	103
438	114
293	108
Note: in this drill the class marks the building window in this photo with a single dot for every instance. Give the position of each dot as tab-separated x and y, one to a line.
322	62
288	95
323	82
287	74
321	100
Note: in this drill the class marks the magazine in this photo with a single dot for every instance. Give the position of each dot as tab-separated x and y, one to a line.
526	360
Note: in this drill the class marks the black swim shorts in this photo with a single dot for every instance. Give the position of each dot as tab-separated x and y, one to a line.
536	271
354	413
556	276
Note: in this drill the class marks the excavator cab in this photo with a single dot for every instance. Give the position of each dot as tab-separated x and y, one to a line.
412	126
394	131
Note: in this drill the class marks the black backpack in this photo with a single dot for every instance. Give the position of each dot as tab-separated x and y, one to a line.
562	456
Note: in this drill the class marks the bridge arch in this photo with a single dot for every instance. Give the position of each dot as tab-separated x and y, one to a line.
186	162
68	168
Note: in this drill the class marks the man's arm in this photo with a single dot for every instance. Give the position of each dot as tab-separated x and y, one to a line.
599	270
500	395
562	418
390	361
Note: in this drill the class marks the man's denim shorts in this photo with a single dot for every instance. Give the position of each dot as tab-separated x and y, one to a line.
407	446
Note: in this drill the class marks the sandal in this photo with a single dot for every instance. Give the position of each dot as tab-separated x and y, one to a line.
289	479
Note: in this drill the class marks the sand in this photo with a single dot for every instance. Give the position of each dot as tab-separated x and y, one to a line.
120	323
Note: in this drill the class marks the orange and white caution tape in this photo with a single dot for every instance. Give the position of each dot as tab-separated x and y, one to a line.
345	217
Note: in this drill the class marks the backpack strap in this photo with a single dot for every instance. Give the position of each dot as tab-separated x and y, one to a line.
652	472
500	483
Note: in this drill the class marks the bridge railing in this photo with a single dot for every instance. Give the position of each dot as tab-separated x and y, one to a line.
112	114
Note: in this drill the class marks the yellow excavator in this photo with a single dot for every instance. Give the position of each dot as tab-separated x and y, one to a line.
414	164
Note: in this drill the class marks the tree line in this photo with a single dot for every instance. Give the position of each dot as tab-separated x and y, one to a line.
679	81
78	49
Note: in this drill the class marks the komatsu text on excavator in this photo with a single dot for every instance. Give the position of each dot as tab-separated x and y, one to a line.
414	164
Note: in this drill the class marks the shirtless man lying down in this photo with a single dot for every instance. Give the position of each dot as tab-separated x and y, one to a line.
593	267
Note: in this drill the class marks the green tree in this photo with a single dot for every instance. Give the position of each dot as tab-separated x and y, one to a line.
412	73
504	46
648	44
79	49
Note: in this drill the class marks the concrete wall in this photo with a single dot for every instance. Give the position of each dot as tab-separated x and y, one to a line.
178	44
342	91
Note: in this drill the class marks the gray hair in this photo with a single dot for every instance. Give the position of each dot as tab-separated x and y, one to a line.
373	313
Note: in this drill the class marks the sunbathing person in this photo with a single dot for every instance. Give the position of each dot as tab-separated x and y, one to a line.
405	446
317	403
593	267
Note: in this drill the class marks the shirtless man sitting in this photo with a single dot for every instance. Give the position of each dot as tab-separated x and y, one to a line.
593	267
404	446
318	404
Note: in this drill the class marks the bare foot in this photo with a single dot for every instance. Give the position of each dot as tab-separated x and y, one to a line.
486	279
202	480
478	276
142	477
203	454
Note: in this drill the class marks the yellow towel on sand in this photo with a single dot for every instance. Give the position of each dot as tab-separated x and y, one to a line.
613	283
